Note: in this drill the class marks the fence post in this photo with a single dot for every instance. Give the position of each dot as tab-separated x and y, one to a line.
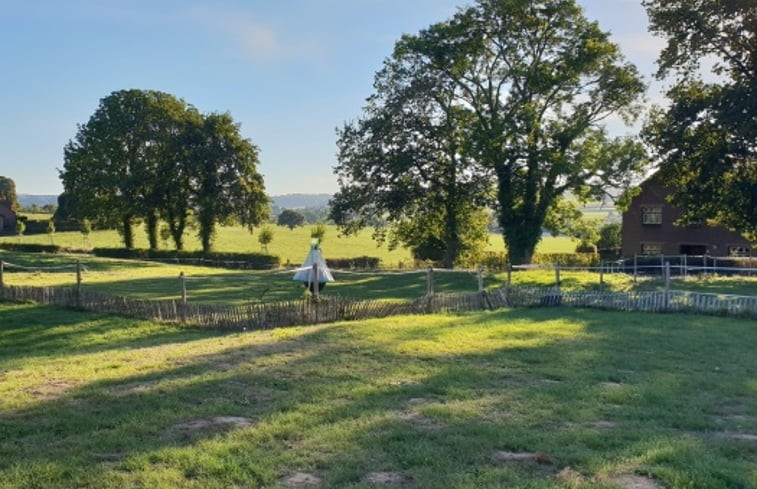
601	274
480	278
78	283
183	285
430	281
714	265
704	264
2	266
316	297
509	274
635	267
666	299
557	274
685	262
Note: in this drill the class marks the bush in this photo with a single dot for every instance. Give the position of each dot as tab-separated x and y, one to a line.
32	248
494	260
567	259
586	248
248	261
360	262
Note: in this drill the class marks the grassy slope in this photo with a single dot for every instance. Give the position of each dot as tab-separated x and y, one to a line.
93	401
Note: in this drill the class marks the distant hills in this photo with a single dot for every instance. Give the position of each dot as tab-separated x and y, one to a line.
287	201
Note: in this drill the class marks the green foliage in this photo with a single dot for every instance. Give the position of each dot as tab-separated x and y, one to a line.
20	227
32	247
705	138
610	237
290	218
86	227
580	259
529	85
8	192
265	237
359	262
147	155
318	232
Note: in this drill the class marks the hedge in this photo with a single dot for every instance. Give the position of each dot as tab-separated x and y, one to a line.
251	261
360	262
33	248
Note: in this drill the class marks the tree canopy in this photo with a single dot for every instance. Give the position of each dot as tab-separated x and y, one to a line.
148	155
508	93
8	192
290	218
706	140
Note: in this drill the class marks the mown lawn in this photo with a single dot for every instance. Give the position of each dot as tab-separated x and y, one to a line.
426	402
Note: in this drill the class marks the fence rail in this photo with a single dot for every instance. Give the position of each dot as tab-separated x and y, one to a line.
334	308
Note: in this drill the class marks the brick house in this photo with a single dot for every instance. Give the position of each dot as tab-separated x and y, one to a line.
7	218
649	229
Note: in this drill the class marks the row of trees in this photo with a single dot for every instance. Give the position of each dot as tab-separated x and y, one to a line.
503	106
147	155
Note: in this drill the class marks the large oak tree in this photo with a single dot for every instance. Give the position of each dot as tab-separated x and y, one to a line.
706	140
535	81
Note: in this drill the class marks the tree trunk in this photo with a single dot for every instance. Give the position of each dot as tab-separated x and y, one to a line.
152	229
127	231
207	229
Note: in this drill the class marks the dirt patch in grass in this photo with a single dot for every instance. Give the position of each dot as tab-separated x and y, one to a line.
52	390
300	480
419	420
523	457
611	385
570	477
732	435
205	424
603	425
393	478
633	481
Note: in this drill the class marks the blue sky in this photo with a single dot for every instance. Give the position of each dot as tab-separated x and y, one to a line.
290	71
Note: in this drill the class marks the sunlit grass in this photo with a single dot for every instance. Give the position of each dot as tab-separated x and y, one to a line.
97	401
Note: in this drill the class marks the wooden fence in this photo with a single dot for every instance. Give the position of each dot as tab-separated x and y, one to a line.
334	308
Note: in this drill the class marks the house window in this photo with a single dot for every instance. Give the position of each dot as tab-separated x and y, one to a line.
651	248
739	251
651	215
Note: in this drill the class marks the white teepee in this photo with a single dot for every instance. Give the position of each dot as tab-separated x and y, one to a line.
305	272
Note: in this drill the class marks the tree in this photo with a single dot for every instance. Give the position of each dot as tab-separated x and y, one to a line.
290	218
115	169
85	228
404	164
20	227
610	237
528	85
8	192
265	237
228	185
706	140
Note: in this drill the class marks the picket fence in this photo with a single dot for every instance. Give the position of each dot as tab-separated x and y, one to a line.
335	308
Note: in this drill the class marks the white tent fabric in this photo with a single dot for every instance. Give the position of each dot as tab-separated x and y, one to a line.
305	272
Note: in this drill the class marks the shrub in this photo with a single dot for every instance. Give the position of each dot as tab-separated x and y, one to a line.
31	247
250	261
360	262
567	259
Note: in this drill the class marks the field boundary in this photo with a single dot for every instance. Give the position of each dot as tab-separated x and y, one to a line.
336	308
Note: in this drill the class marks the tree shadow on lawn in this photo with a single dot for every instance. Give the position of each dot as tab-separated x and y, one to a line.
326	399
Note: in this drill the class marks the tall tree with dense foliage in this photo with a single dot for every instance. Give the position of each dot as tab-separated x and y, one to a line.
404	164
290	218
8	192
228	186
529	84
115	168
706	140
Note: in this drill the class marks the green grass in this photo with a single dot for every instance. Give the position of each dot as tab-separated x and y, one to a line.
96	401
290	245
152	280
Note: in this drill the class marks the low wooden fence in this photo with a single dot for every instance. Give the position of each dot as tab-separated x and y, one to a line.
334	308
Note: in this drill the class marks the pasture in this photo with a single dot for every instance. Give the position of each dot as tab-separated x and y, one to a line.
550	398
291	245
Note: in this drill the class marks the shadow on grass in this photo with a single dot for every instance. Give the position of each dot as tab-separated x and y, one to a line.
335	401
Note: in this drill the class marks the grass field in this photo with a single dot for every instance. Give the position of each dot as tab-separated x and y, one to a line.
552	398
290	245
152	280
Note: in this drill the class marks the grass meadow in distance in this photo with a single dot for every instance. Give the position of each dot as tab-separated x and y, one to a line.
153	280
290	245
434	401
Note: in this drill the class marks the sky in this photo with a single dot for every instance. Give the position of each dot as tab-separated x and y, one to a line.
289	71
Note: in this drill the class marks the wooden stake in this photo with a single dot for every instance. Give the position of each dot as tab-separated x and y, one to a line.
183	285
316	298
78	283
601	273
430	281
667	284
480	278
557	274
